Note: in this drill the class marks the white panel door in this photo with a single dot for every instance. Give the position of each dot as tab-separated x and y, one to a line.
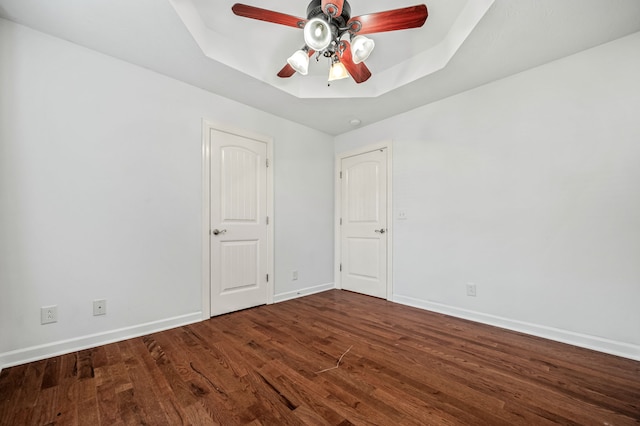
238	222
364	223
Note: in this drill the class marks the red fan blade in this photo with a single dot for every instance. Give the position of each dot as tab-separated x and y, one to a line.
332	8
359	72
267	15
287	71
391	20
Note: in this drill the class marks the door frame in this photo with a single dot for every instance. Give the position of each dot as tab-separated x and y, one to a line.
388	145
207	126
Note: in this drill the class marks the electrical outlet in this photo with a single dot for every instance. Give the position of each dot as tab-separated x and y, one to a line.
471	289
402	215
99	307
294	275
48	314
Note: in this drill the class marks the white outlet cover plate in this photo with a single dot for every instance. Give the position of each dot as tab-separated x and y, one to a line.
48	314
471	290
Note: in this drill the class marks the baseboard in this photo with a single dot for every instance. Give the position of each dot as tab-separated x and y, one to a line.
302	292
36	353
622	349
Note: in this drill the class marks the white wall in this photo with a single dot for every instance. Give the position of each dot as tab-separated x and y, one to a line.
302	210
100	196
530	188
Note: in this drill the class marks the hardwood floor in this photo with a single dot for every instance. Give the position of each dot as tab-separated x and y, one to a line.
401	366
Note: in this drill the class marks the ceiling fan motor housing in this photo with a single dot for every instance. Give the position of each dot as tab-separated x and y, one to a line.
314	10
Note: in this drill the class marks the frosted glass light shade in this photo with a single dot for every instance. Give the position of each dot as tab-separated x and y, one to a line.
317	34
361	48
337	71
299	61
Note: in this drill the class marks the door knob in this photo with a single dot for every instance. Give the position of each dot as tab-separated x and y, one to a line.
381	231
218	231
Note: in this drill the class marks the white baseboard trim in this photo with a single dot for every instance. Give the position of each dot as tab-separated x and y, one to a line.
36	353
302	292
622	349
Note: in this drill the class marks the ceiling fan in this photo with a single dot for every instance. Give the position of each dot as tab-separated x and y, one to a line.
330	31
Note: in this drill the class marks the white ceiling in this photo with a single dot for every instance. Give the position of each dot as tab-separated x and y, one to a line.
172	36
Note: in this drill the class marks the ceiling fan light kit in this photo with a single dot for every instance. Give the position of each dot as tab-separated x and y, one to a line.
330	31
318	34
337	71
299	61
361	48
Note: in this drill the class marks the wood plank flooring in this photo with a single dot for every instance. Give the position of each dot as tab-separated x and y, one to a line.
263	366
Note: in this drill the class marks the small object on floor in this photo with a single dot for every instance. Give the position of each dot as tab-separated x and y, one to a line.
337	364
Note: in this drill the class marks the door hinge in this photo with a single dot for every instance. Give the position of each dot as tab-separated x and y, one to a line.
267	220
340	221
267	162
341	267
341	175
267	277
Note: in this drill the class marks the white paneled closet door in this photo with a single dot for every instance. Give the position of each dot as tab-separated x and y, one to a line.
364	223
238	222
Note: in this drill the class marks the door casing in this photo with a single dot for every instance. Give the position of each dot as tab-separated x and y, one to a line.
388	145
207	126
